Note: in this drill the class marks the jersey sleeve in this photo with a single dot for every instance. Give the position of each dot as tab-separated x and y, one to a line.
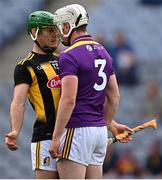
22	75
68	65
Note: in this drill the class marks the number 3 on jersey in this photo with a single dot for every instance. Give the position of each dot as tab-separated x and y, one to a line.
101	63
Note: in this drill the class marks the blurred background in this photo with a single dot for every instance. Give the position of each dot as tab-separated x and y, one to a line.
131	31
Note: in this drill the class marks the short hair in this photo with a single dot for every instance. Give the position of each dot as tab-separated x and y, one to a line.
82	28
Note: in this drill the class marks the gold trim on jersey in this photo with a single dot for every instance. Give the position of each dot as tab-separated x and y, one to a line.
67	143
37	159
29	57
35	97
80	43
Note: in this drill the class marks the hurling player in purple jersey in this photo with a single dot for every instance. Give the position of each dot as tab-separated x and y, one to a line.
89	99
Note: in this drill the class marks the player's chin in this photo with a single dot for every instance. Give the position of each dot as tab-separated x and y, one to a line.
12	147
54	46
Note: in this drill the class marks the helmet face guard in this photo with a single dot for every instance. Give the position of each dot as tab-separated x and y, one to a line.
73	14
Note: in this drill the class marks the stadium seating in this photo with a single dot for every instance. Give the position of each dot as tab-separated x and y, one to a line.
140	24
13	13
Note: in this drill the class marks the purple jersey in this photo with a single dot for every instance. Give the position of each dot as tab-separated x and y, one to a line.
91	63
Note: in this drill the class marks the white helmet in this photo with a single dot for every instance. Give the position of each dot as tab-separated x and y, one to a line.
74	14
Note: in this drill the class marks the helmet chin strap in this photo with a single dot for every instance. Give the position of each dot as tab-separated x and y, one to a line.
65	44
68	43
45	48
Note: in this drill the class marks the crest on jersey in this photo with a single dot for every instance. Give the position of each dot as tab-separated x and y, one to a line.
55	82
46	161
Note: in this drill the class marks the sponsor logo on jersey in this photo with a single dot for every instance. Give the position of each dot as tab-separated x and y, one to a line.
89	48
54	64
55	82
39	67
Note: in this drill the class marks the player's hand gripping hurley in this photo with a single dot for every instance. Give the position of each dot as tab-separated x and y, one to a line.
151	123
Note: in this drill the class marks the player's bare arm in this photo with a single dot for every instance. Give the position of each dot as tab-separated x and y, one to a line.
112	99
111	107
66	106
16	115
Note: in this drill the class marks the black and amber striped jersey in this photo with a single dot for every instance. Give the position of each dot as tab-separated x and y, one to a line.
41	72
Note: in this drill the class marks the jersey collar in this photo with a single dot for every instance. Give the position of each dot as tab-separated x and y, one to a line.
82	38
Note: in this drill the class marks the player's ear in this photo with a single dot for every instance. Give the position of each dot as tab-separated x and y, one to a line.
33	31
66	28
